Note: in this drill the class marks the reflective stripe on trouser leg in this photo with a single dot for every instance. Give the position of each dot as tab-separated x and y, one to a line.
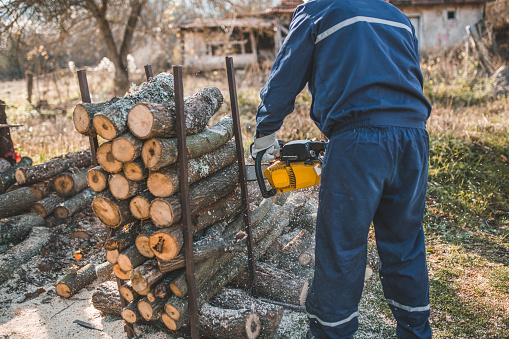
354	171
400	237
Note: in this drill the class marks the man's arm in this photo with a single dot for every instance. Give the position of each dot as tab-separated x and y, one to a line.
290	73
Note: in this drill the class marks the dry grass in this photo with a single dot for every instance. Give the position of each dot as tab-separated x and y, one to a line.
466	221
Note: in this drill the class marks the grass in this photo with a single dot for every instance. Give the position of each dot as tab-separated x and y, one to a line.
466	221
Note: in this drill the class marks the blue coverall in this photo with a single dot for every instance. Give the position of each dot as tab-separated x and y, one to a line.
360	61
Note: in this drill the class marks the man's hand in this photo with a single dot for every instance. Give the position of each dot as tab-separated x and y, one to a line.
268	143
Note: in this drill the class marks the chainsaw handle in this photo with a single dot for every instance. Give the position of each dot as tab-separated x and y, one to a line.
259	176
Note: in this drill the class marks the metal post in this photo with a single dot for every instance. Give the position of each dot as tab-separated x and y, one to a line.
184	197
242	171
148	72
85	97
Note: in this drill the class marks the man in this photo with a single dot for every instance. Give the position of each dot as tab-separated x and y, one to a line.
360	61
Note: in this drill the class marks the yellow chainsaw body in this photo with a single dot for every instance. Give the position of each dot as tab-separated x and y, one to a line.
300	174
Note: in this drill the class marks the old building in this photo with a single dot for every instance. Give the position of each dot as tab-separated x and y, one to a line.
257	38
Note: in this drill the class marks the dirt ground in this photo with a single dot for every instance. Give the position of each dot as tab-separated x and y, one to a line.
30	307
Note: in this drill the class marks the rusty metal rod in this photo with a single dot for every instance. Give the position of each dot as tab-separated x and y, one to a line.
148	71
85	97
184	197
242	171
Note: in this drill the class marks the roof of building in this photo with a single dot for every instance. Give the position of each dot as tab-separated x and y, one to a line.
286	7
247	22
435	2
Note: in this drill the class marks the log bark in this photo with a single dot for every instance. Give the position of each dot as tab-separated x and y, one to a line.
135	170
23	252
112	121
122	188
74	280
144	276
206	269
68	184
126	148
15	202
203	250
153	120
140	205
158	152
130	259
4	165
215	322
75	204
8	178
143	240
15	229
305	221
166	244
42	189
32	174
6	147
97	179
113	213
167	211
106	159
270	314
289	247
106	298
276	284
166	181
177	308
130	313
123	240
84	113
47	205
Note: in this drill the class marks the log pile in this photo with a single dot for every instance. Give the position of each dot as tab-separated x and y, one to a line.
137	194
34	196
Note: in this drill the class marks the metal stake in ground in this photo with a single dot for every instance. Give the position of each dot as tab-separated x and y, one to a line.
85	97
148	72
242	170
184	196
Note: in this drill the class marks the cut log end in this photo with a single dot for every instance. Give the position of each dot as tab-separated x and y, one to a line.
119	186
123	150
304	293
161	212
145	310
140	120
129	316
169	322
81	119
160	185
97	180
176	290
172	311
61	212
64	183
143	245
253	326
104	127
164	246
112	256
132	171
107	212
151	153
20	176
120	273
63	290
39	209
139	207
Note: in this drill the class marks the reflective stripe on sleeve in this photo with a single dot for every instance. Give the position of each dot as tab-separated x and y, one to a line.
356	19
408	308
334	324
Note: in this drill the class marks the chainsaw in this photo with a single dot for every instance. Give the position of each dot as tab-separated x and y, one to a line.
299	165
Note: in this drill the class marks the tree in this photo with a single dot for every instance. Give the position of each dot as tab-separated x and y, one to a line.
115	20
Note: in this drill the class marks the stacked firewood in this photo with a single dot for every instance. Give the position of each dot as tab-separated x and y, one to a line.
137	187
32	197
